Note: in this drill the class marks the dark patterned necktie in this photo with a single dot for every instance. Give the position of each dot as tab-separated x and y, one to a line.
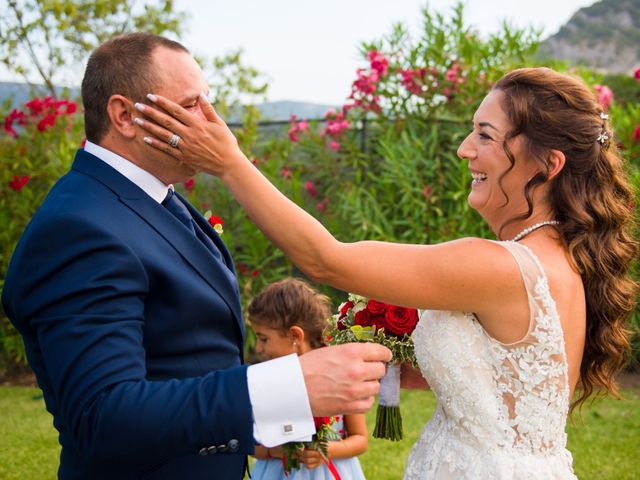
179	210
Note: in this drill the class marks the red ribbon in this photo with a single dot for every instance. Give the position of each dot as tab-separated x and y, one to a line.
332	468
328	462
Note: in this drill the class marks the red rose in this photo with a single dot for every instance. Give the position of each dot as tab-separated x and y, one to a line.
376	307
345	308
363	318
320	421
400	320
379	321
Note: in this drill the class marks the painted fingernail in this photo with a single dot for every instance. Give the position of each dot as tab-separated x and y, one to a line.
152	97
138	121
203	96
147	140
139	106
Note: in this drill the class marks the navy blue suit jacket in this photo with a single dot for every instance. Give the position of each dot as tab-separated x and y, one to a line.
134	331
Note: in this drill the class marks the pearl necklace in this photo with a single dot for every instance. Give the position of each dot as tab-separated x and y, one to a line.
533	228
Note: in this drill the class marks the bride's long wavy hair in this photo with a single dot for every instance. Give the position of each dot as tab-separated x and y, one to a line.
592	198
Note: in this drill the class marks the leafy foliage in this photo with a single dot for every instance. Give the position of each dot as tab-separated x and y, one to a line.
49	35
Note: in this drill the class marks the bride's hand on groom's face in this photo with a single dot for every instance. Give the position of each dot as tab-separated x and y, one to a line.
205	143
343	379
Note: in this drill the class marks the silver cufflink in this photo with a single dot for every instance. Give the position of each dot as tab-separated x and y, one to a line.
287	428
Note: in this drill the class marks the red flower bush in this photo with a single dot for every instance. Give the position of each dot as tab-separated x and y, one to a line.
42	112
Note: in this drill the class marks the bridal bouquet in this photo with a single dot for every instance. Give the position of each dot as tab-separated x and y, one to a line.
365	320
320	442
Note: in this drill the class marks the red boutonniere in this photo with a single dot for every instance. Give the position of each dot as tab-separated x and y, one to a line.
215	221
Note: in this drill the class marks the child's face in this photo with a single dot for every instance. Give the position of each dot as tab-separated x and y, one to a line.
272	343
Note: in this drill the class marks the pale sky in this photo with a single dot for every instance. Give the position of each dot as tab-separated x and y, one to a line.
308	49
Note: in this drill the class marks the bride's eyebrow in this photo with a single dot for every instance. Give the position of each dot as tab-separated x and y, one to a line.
487	124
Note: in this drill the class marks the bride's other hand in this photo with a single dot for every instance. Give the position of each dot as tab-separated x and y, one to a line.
411	377
206	142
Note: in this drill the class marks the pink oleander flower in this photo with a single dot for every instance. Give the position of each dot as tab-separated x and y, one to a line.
605	95
636	134
336	124
297	128
636	74
35	106
348	106
189	185
47	121
333	145
286	173
452	74
413	79
17	183
14	115
365	84
379	62
322	206
310	188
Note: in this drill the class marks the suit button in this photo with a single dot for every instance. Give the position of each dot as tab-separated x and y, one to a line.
234	445
203	452
212	449
222	448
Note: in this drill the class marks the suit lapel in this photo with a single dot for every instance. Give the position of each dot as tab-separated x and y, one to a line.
187	245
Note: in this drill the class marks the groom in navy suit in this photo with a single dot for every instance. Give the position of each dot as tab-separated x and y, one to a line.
128	304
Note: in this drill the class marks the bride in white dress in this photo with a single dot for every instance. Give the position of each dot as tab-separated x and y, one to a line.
511	327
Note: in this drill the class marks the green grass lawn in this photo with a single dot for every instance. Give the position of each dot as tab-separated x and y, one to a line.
605	444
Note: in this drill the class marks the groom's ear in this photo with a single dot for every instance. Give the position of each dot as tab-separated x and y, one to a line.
121	113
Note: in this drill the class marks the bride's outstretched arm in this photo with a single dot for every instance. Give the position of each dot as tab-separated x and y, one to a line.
454	275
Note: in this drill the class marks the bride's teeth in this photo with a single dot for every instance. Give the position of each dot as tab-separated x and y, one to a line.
479	176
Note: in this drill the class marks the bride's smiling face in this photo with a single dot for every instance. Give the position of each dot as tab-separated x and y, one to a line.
488	162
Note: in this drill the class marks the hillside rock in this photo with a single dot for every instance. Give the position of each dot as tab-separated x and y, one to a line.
604	36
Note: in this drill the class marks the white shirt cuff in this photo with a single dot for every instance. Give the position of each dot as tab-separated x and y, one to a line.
279	400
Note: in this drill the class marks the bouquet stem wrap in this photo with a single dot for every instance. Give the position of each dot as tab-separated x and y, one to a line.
388	418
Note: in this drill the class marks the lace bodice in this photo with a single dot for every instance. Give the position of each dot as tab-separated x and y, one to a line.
501	408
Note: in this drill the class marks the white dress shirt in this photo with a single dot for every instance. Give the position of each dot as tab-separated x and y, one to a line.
279	400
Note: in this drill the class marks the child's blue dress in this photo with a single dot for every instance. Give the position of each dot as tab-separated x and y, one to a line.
349	468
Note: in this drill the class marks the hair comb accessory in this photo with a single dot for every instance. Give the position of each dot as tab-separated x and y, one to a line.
604	135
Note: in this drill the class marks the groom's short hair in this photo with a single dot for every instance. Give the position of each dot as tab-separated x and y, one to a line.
121	65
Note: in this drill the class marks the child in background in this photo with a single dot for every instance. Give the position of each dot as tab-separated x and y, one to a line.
290	317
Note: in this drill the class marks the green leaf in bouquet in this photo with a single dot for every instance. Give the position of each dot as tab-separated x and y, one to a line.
363	333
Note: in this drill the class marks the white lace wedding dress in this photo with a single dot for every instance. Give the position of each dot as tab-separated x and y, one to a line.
501	409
